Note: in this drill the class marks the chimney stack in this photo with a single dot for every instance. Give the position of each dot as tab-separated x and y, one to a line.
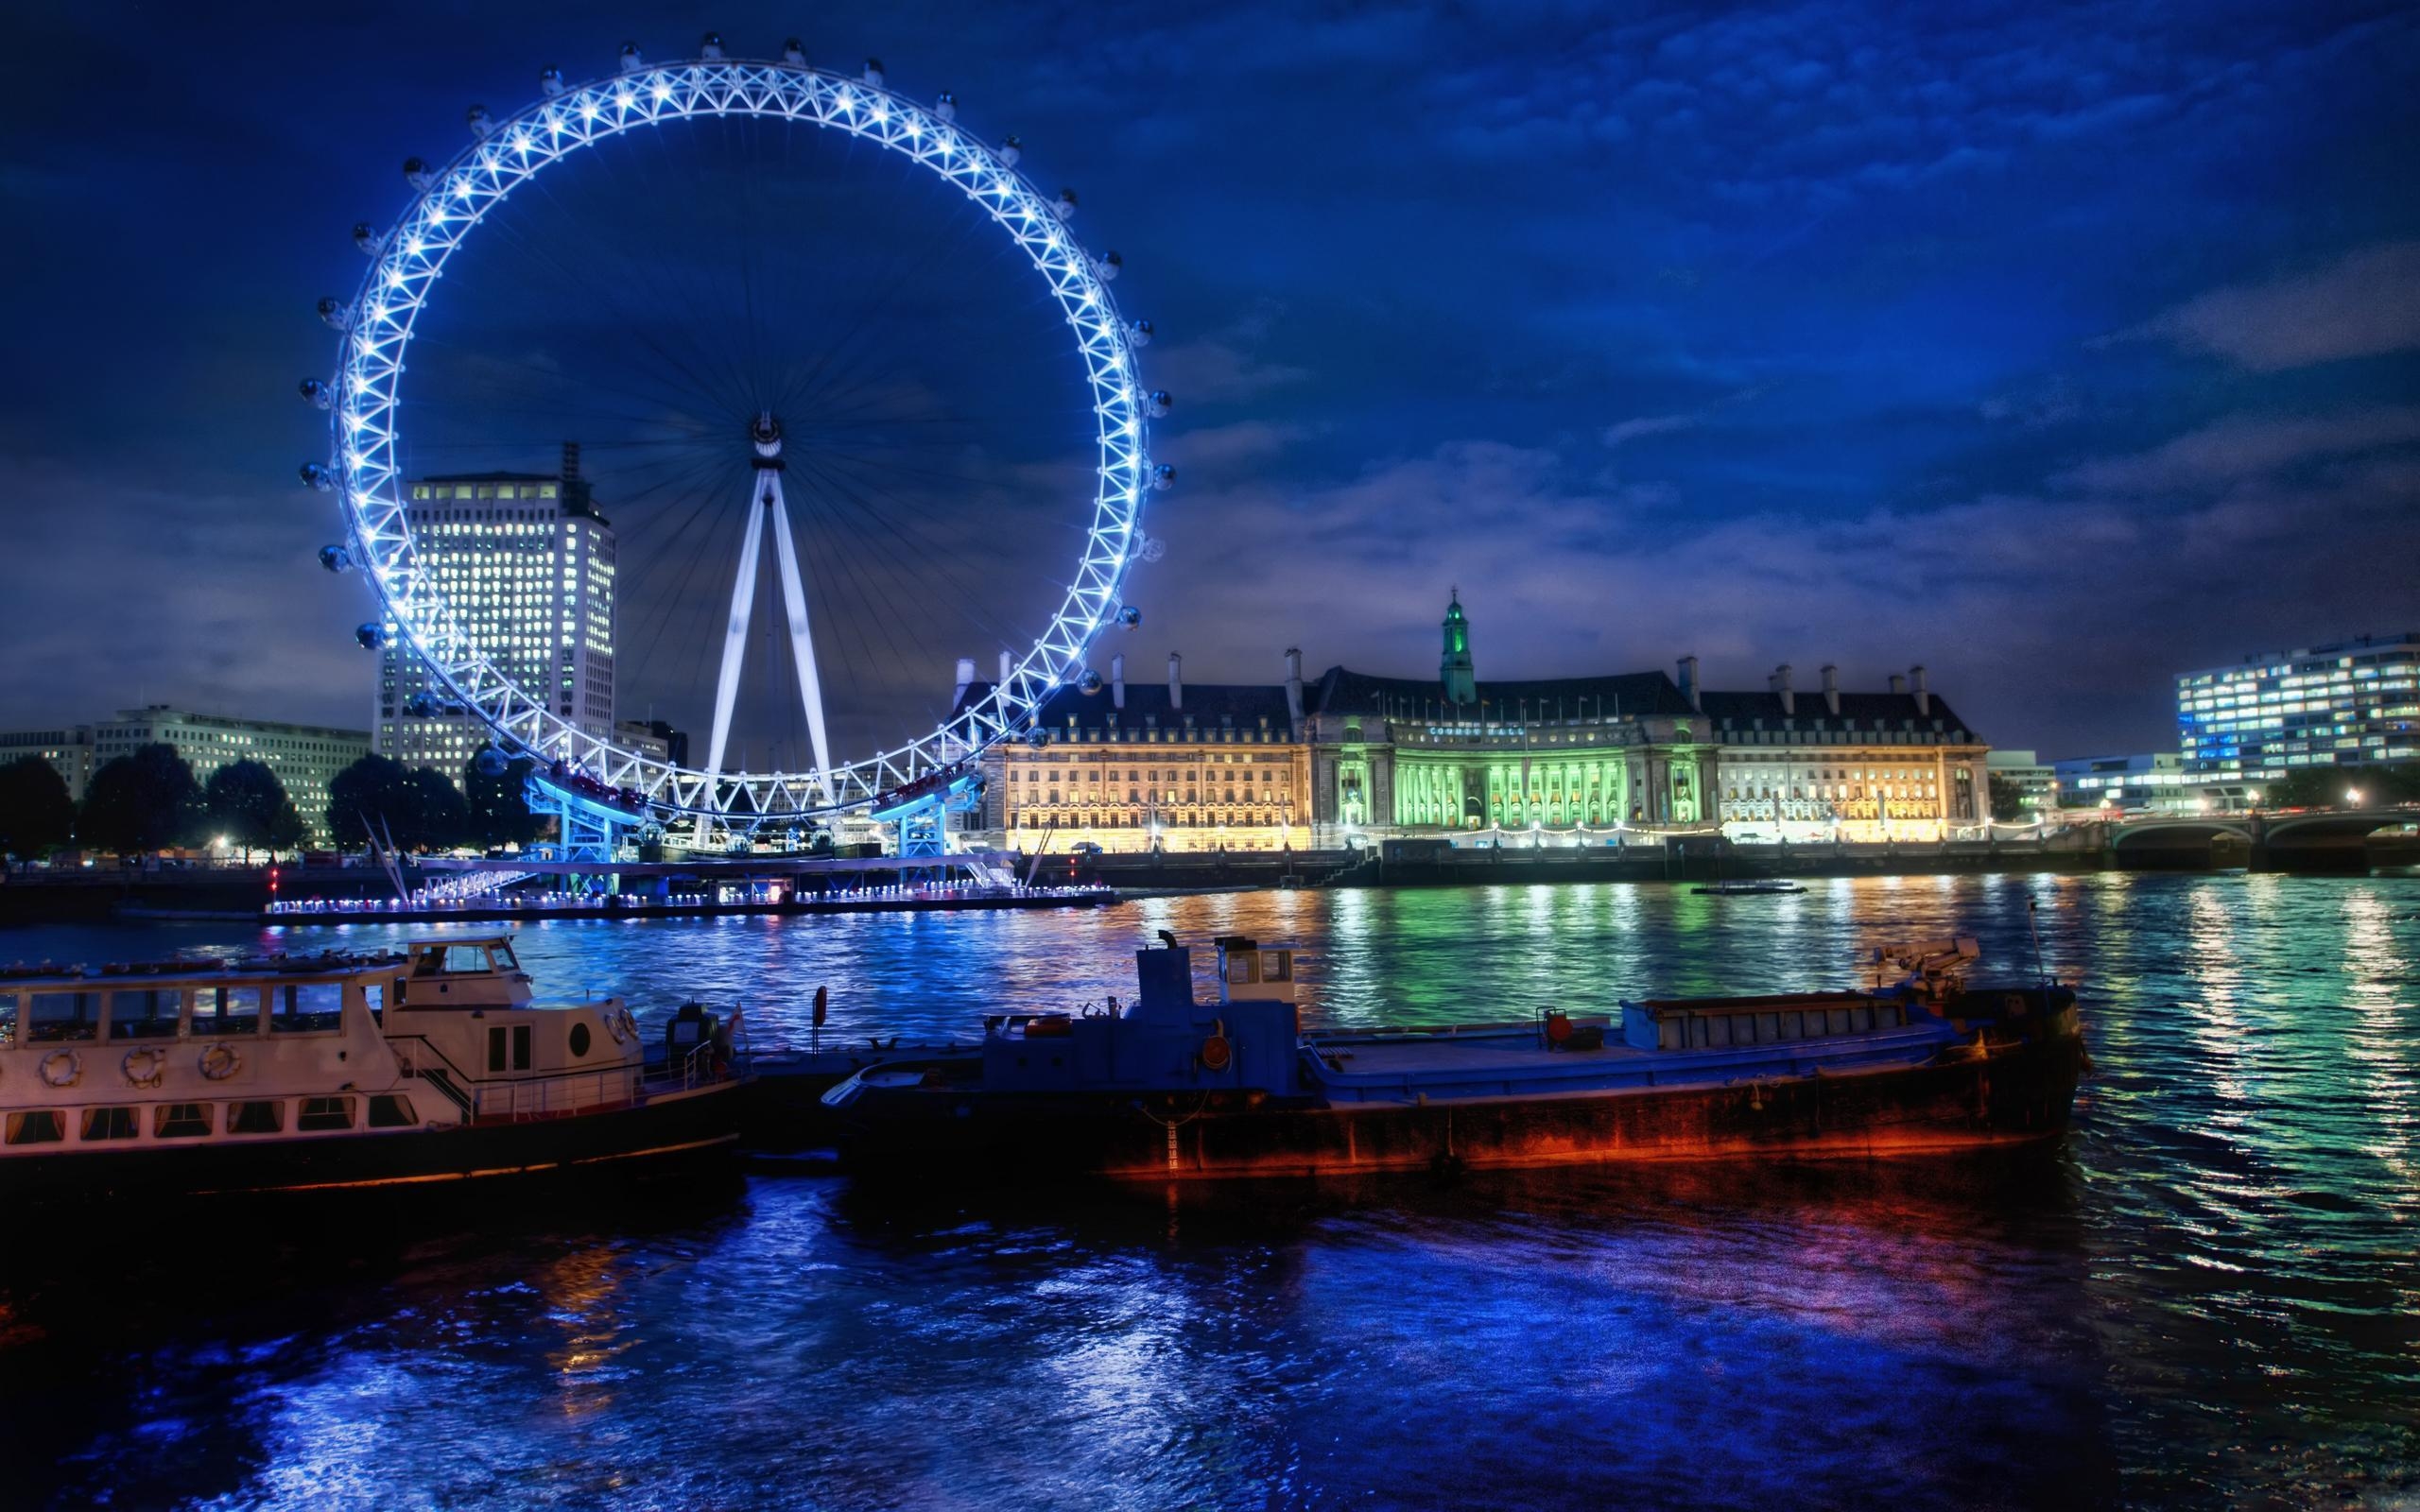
1924	694
571	461
1898	682
965	680
1294	686
1832	689
1117	681
1176	680
1689	682
1781	685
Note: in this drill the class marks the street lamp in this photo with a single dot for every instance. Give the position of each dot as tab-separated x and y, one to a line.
2353	798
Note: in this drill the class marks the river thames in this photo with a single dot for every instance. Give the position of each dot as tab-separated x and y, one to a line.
2208	1296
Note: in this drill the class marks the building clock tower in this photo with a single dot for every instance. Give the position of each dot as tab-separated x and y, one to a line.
1454	669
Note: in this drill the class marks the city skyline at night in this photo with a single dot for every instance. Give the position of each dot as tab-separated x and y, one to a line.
2060	357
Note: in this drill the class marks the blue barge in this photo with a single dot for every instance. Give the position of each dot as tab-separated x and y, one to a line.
1174	1086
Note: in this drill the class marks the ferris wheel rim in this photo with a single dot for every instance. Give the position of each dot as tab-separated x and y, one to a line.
440	216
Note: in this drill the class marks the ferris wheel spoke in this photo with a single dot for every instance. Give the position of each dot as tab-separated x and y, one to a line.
911	557
639	318
543	381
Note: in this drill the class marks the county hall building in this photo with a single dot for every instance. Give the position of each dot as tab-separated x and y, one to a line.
1350	758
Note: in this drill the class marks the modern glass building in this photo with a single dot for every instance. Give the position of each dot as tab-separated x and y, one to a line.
526	563
2352	704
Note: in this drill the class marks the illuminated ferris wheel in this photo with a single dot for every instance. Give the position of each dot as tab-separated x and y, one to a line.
830	346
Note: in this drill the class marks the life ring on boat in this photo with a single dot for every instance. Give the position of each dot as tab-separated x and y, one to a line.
62	1068
1216	1055
143	1065
621	1025
220	1063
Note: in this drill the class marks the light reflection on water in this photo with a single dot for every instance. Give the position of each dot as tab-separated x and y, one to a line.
2208	1296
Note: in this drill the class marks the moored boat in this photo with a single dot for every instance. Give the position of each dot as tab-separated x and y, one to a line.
1176	1087
339	1071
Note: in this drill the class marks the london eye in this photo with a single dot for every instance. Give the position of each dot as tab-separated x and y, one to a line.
819	346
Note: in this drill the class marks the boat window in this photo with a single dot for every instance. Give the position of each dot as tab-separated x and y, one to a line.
1768	1028
1890	1016
1861	1019
466	959
1743	1028
306	1008
255	1118
502	955
8	1020
1671	1034
519	1048
320	1114
1836	1021
112	1123
373	996
146	1013
1785	1026
1717	1028
182	1121
63	1016
222	1011
43	1128
580	1039
389	1110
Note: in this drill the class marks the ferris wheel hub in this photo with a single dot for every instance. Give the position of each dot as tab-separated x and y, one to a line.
765	432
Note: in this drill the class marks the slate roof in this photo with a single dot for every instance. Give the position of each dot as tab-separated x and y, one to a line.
1343	690
1863	710
1209	705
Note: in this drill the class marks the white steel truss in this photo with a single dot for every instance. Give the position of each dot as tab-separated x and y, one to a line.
767	436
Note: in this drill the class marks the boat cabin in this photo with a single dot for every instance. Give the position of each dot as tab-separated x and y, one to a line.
465	973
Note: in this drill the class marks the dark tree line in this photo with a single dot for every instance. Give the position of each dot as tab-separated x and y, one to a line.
379	797
145	802
149	801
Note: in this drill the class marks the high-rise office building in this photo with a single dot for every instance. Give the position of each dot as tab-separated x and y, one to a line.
526	563
2353	704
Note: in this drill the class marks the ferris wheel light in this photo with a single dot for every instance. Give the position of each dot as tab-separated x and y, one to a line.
373	360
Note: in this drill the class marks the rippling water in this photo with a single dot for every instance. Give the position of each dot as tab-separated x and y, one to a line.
2209	1296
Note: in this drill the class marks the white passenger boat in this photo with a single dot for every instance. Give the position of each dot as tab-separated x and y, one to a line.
338	1072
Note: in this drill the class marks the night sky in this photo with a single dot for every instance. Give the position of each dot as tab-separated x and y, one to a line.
2057	349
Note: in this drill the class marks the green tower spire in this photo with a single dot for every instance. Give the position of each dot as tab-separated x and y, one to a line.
1454	668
